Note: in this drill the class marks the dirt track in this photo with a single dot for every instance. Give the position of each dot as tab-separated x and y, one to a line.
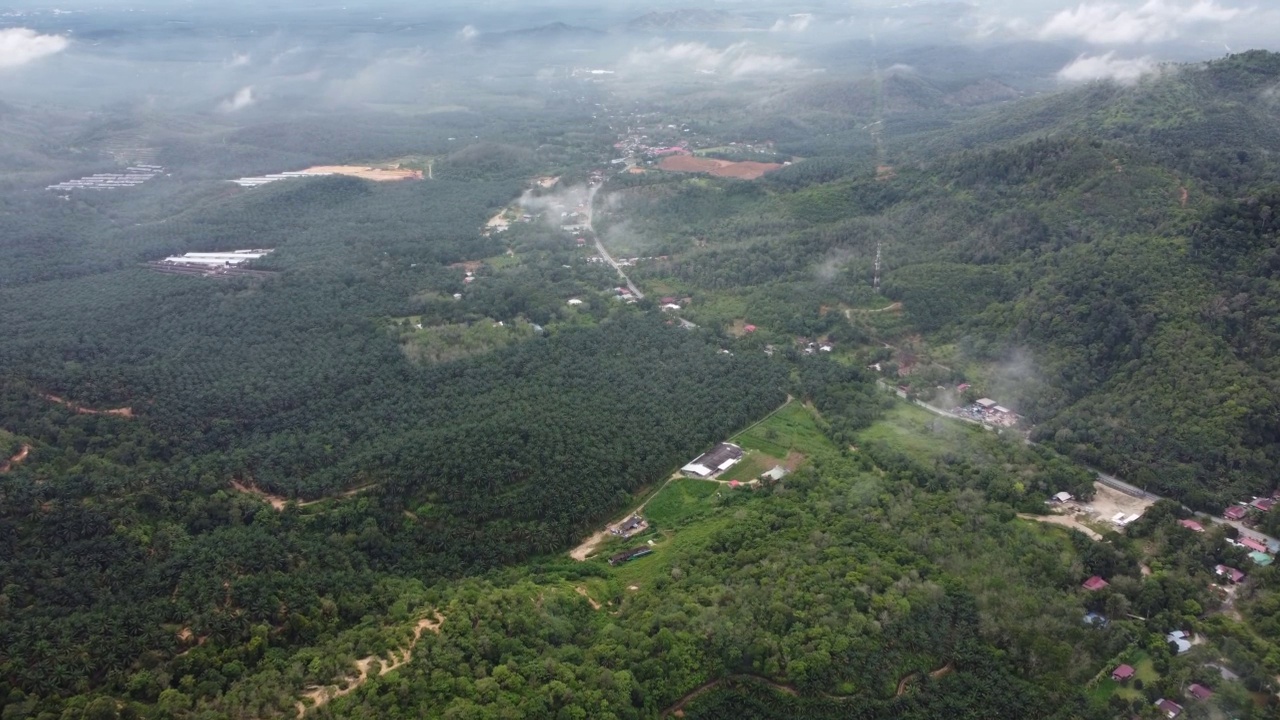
118	412
1065	521
718	168
322	695
7	465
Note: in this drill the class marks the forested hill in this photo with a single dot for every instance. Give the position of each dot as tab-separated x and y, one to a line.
1215	121
1101	259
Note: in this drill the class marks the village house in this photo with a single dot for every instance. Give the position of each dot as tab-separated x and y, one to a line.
1191	525
1230	573
1249	543
1199	692
1264	504
1169	708
1235	512
1095	583
1180	639
1123	673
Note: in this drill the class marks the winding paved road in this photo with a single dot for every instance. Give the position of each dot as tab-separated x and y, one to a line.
591	214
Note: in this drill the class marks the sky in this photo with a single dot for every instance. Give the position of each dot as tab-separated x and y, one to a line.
246	43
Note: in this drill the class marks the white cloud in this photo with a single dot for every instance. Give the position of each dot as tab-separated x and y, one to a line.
1107	67
239	60
19	46
737	60
1106	23
797	23
468	32
241	100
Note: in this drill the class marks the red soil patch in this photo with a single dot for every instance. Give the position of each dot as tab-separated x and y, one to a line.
119	412
885	172
718	168
1182	196
7	465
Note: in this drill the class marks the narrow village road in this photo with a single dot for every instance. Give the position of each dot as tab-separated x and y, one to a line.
591	213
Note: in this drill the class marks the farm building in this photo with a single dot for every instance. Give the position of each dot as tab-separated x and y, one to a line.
1123	673
1061	497
1095	583
712	463
1235	512
629	555
777	473
986	403
1229	573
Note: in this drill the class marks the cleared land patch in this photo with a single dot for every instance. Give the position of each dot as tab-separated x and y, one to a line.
719	168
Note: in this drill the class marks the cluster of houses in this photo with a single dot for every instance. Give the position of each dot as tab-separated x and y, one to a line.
989	411
1170	709
132	176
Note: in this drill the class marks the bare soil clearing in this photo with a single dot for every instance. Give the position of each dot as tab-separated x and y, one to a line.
322	695
718	168
1065	521
366	173
7	465
1108	501
119	412
588	546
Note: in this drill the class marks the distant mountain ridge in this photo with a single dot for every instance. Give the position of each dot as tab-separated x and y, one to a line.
551	32
688	19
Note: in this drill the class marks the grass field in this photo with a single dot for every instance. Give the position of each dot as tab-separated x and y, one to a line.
1144	670
679	501
925	436
791	429
750	467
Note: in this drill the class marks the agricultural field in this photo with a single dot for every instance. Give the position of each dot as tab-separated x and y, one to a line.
793	430
680	500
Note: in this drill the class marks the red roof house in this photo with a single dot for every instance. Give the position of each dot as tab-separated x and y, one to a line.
1170	708
1230	573
1123	673
1199	691
1235	512
1252	544
1191	525
749	328
1263	504
1095	583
